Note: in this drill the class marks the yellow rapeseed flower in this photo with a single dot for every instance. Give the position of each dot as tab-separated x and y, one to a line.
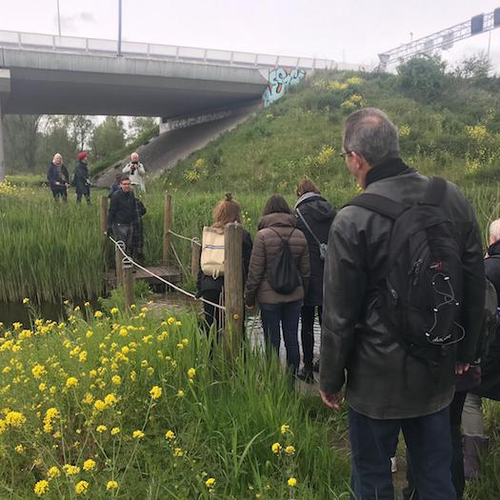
115	431
26	300
116	379
191	373
38	371
289	450
112	485
89	465
15	419
110	399
285	428
98	314
81	487
170	435
178	452
71	470
210	482
180	393
41	488
53	472
138	434
101	428
155	392
292	482
71	382
100	405
171	320
19	448
114	310
276	448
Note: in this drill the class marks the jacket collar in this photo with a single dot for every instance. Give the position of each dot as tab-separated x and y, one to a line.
306	196
494	249
388	168
276	219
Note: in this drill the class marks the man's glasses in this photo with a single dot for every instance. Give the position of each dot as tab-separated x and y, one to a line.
346	154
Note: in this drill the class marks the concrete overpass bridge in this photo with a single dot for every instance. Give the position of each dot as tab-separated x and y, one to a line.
47	74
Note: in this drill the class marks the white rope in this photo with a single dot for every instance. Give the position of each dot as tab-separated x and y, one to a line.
196	241
179	260
117	245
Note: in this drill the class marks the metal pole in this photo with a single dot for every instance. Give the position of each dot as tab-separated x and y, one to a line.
119	54
58	18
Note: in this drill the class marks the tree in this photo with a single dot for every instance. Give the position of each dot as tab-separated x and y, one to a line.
422	78
108	137
80	128
139	125
56	138
21	141
477	66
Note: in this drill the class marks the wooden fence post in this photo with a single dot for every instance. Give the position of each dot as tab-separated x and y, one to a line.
119	265
167	226
195	258
233	287
128	283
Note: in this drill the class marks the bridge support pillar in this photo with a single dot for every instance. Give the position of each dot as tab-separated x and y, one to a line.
4	91
2	159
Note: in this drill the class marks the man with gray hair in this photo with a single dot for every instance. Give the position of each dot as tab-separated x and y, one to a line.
396	382
136	172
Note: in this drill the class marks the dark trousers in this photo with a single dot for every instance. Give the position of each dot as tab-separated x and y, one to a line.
307	333
85	193
373	442
213	315
124	232
457	463
60	192
285	315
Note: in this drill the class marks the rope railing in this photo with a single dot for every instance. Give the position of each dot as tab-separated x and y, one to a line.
128	259
194	240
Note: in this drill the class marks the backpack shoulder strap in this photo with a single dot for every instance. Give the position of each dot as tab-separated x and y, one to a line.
286	238
308	227
379	204
435	192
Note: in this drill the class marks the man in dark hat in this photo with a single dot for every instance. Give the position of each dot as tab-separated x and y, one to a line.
82	178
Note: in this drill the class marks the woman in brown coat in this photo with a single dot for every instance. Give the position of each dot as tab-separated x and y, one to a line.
278	223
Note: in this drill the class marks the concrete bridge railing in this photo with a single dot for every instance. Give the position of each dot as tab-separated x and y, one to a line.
72	44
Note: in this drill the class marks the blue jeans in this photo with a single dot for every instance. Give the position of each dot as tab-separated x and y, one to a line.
287	315
373	442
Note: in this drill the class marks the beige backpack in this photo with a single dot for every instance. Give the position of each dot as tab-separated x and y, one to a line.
212	252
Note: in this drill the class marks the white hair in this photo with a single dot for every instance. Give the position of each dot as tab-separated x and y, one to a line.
134	155
495	231
56	156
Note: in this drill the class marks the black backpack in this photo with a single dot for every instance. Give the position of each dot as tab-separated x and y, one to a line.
420	288
284	276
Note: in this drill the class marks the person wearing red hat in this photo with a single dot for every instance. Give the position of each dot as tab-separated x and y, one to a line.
82	178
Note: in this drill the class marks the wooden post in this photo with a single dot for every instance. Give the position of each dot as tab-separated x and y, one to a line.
195	259
167	226
103	213
119	266
128	283
233	287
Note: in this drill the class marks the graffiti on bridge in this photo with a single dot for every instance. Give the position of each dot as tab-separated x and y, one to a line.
279	80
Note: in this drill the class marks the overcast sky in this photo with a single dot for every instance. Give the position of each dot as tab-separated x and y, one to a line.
351	30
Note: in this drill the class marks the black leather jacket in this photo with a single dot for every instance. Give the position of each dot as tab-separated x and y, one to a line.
383	380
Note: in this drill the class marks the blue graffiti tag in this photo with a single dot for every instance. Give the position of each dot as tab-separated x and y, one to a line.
279	80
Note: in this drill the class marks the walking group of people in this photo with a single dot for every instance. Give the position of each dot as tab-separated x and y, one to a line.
304	232
397	278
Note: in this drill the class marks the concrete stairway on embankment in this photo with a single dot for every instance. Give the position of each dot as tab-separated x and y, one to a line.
163	153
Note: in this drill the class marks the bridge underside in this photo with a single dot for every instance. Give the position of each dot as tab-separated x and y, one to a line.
50	83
